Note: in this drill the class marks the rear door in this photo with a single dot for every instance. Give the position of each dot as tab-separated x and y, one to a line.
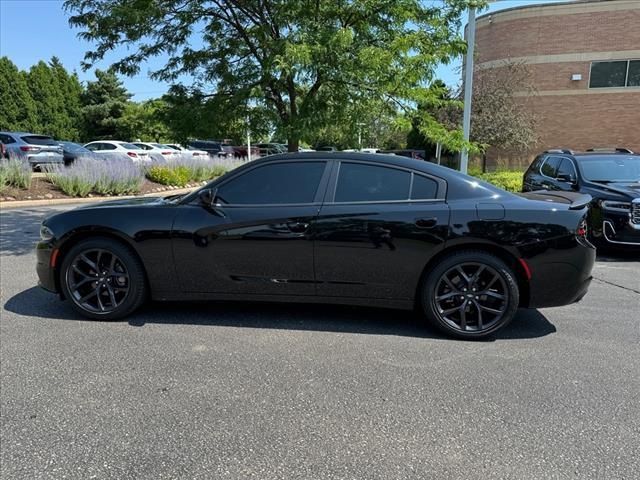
549	173
378	227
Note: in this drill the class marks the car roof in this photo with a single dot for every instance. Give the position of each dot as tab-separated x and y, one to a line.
27	133
381	158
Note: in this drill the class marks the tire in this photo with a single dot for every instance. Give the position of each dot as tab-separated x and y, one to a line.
462	307
119	285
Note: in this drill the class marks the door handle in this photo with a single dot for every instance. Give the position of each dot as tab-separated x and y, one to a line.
298	227
426	222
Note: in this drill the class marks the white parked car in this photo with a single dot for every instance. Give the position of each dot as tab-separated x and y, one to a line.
158	150
201	154
111	148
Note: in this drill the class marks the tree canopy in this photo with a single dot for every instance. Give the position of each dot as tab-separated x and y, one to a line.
295	58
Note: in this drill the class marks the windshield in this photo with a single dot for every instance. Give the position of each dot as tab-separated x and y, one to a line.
73	147
611	168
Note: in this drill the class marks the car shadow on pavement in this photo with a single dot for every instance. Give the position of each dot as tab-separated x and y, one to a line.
35	302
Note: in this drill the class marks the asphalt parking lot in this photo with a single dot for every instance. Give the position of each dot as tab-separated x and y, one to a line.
221	390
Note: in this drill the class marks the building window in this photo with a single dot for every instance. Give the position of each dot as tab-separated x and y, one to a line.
623	73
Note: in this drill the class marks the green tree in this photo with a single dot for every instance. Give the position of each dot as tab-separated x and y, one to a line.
143	121
103	105
17	107
71	89
293	57
191	114
48	98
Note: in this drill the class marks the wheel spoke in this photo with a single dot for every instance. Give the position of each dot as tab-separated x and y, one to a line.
100	304
86	260
112	297
112	264
89	295
463	275
491	282
491	293
476	276
447	295
479	310
450	283
490	310
75	286
80	272
463	315
451	310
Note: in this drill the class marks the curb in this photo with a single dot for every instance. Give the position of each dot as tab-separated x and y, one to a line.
80	200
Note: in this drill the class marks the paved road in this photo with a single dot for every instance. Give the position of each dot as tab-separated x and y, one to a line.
252	391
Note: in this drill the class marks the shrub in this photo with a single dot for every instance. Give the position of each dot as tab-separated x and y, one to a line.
15	172
184	170
175	175
101	176
4	178
510	181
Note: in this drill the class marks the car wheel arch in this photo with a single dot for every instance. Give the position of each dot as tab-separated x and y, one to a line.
77	236
503	254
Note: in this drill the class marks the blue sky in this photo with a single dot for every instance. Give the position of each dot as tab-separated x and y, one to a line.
33	30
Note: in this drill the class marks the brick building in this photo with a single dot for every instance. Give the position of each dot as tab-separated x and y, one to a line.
584	58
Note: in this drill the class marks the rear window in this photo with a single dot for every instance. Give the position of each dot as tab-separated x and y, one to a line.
39	140
130	146
371	183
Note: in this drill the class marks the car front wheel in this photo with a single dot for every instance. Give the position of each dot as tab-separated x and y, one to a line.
103	279
470	294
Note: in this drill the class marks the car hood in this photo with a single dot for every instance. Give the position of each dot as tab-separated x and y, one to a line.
626	188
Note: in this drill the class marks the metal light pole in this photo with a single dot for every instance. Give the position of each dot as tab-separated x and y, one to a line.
360	125
468	87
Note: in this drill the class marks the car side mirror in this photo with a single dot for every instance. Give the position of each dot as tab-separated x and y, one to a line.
208	197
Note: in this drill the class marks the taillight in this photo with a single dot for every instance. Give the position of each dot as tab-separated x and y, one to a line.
27	148
166	153
132	154
582	231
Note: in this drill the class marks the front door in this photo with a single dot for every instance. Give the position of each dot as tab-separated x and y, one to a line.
258	240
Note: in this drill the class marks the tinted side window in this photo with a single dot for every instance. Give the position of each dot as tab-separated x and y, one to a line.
6	139
550	167
274	184
369	183
107	146
423	188
566	167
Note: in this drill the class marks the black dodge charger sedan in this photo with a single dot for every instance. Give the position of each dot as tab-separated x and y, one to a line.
347	228
612	178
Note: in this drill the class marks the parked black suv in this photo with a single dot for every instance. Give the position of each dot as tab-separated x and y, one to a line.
611	177
213	148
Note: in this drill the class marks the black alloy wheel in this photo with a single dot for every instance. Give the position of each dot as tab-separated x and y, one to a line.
470	295
103	279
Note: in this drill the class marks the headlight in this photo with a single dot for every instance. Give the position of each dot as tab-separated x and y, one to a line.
616	206
46	233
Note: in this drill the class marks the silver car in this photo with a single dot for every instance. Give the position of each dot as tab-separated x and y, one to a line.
38	150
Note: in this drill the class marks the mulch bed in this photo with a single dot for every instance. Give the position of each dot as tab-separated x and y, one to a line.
43	190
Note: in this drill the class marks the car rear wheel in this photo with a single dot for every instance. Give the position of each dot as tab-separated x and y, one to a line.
470	294
103	279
